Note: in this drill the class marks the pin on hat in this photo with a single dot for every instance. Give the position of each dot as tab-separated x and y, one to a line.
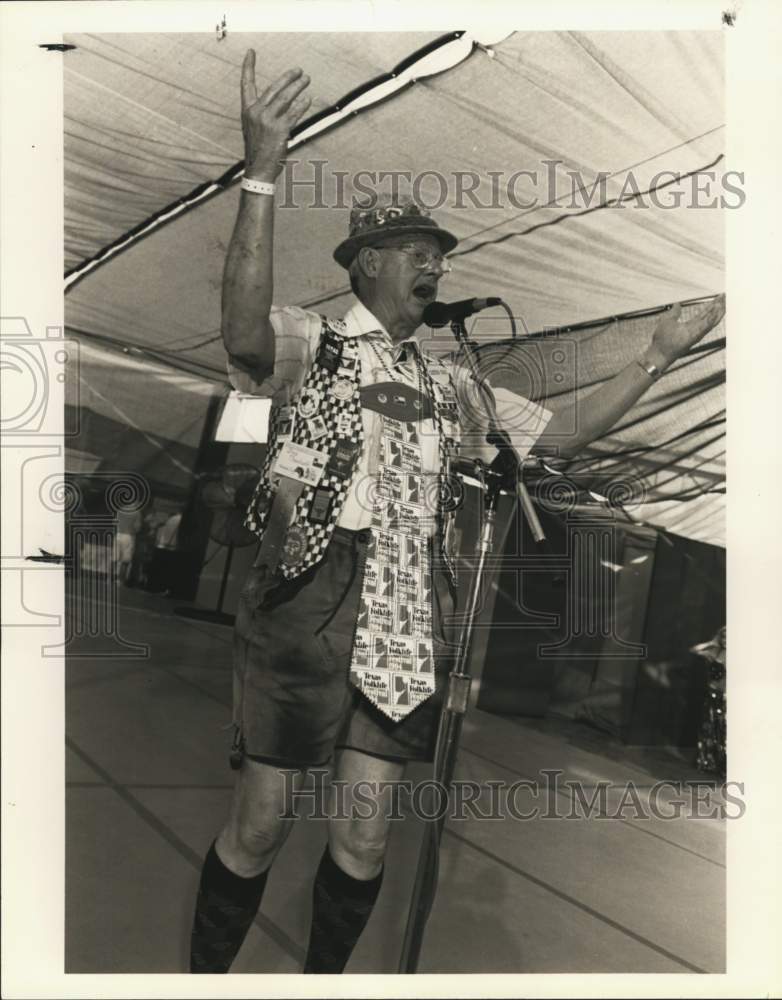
371	225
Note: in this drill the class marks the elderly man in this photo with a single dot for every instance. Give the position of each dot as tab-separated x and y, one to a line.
340	651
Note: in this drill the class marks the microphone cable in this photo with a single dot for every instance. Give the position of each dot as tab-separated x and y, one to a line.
511	318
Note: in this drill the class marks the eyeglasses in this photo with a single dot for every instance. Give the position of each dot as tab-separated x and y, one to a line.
423	260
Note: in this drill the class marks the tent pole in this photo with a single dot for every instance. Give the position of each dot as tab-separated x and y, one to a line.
194	531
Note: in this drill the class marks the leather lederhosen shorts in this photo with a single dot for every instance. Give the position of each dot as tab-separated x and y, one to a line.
293	702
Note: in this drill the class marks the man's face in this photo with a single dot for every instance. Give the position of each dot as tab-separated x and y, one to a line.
403	288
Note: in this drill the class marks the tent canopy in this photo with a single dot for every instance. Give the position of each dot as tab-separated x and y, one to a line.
151	121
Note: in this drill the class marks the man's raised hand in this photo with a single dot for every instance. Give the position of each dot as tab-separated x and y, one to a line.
267	120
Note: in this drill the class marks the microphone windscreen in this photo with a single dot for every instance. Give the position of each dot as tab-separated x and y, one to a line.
436	314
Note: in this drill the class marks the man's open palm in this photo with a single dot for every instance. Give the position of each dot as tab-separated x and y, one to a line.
267	120
673	338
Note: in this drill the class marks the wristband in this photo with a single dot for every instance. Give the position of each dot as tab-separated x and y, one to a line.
258	187
651	369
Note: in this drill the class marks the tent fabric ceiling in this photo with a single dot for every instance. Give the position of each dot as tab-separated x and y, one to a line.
134	415
597	103
149	118
670	447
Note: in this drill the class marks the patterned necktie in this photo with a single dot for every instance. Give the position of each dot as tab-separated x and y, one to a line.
392	663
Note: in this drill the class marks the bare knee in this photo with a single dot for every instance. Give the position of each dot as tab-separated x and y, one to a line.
256	828
358	847
247	849
260	841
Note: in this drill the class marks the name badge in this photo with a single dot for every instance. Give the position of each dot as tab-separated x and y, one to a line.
347	367
448	394
343	388
328	360
309	403
330	353
296	461
345	425
317	427
322	502
295	546
285	422
343	458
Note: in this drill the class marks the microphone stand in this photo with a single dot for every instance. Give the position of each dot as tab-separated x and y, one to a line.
507	458
503	472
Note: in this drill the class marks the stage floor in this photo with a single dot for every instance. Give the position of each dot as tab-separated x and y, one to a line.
148	786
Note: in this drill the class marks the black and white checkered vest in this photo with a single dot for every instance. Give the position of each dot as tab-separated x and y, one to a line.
343	422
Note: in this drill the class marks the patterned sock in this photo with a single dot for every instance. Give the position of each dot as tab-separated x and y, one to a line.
340	909
225	908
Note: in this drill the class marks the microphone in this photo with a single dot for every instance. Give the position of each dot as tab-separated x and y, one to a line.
439	313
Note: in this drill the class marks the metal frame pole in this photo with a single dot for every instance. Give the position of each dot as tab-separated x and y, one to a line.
447	747
459	681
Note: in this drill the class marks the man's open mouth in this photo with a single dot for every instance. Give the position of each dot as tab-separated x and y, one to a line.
425	292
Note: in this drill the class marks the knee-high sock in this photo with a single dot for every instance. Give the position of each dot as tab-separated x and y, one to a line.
341	906
225	908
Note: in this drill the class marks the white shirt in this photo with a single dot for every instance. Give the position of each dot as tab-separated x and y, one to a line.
166	536
297	335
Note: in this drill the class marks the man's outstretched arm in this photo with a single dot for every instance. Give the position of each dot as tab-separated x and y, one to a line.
248	278
598	413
